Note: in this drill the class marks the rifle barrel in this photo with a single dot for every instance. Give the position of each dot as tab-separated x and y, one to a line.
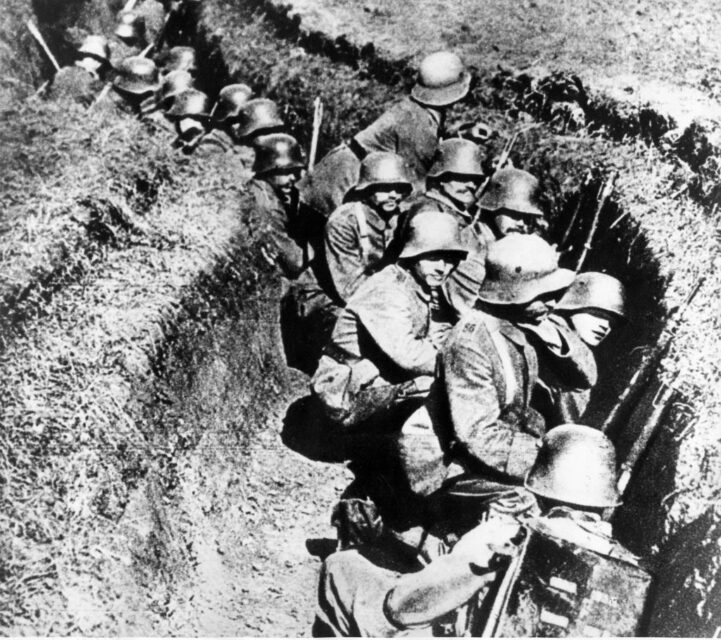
41	41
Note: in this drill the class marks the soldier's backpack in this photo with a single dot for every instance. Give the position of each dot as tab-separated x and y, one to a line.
558	588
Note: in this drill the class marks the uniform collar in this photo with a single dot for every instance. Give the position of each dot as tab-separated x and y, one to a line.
465	216
508	329
408	279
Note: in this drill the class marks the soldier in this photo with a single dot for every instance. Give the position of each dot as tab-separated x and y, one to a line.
153	14
190	113
131	36
379	363
224	116
452	184
511	202
570	577
392	327
289	240
179	59
478	415
591	307
412	128
82	81
171	86
136	80
359	235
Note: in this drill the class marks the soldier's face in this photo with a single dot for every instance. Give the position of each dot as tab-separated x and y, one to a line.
432	269
283	182
507	222
592	327
461	188
386	198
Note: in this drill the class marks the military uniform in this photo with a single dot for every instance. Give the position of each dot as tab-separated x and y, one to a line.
466	279
77	84
478	411
358	241
154	15
408	128
386	335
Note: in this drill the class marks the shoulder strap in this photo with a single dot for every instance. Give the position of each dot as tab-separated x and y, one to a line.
365	245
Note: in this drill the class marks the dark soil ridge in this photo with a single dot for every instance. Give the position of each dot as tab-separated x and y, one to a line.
537	95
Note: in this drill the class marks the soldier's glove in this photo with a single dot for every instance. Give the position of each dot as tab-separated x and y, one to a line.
486	545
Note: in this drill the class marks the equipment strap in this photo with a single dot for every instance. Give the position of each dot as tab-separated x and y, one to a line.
365	245
502	349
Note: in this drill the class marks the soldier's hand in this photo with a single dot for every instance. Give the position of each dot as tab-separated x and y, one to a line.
483	545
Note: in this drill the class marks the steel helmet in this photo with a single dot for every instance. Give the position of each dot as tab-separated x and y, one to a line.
430	231
180	59
576	465
594	290
383	167
130	25
259	115
277	152
231	100
96	47
457	156
520	268
442	80
514	190
190	103
136	75
173	84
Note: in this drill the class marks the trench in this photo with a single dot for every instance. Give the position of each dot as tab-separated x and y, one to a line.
214	552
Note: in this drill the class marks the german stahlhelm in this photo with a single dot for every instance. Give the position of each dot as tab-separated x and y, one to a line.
137	75
521	268
383	168
131	26
190	103
172	85
594	291
442	80
575	465
259	116
96	47
456	156
432	231
277	152
231	100
512	190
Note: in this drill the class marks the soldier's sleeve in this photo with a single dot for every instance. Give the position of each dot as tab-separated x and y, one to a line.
387	317
343	256
274	240
483	432
574	364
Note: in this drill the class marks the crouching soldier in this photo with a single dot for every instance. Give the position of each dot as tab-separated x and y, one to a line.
412	128
360	236
380	361
289	240
452	183
190	113
567	575
84	80
225	115
591	307
477	417
136	82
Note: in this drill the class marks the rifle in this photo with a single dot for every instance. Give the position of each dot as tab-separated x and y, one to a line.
603	195
576	211
649	363
661	404
41	41
317	119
